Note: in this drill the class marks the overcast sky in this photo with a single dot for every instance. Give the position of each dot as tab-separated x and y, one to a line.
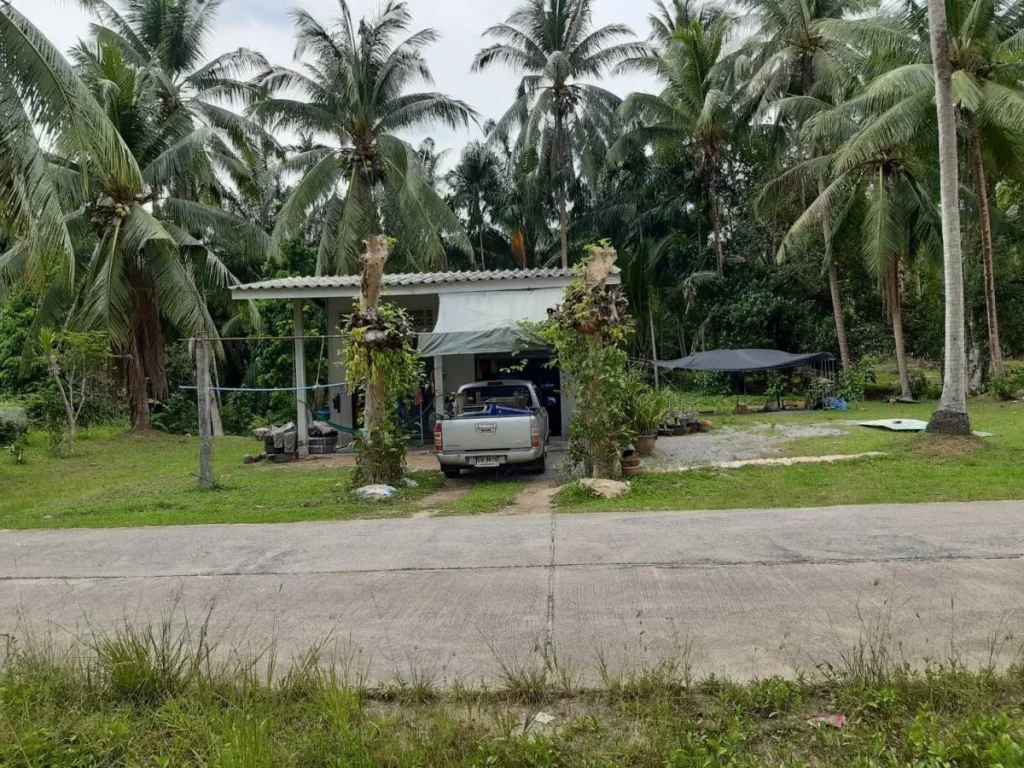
266	26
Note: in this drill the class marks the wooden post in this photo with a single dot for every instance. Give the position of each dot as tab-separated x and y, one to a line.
204	395
301	422
439	385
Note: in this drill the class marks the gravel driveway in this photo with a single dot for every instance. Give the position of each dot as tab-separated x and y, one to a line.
731	444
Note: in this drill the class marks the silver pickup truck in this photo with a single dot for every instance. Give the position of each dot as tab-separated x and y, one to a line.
494	423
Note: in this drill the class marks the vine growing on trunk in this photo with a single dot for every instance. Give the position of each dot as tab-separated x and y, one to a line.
381	362
588	334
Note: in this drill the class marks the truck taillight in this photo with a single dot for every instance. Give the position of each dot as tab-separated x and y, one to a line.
534	433
438	442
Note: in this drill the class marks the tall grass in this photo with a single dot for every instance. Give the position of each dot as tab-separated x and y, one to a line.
167	696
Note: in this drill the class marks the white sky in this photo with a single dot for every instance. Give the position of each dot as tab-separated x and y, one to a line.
266	26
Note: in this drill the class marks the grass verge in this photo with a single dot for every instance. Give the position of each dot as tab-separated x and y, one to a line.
141	480
484	497
158	697
917	468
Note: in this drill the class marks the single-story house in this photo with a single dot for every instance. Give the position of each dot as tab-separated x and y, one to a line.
468	324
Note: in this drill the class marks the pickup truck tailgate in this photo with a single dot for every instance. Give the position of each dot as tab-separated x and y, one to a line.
486	434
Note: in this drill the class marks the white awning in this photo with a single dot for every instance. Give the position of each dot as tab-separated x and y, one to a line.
486	321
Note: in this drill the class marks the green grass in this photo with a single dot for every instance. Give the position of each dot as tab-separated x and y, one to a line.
135	480
917	468
156	697
485	497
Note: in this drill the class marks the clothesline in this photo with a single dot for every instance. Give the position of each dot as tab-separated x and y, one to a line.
271	389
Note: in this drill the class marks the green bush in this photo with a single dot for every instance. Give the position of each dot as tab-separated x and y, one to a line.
920	387
854	381
13	424
179	416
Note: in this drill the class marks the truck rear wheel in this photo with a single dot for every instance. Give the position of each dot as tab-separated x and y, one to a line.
539	467
451	473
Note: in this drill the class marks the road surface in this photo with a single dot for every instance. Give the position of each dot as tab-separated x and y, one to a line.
744	593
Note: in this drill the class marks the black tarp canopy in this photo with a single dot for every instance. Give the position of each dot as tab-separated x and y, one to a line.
744	360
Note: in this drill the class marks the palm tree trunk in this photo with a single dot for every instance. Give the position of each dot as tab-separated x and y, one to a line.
833	284
978	164
561	170
901	348
716	224
951	417
146	373
563	222
483	262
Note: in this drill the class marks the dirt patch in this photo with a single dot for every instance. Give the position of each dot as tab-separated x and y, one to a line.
941	447
422	461
432	505
536	498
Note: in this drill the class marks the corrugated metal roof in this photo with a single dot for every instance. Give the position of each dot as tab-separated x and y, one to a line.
416	278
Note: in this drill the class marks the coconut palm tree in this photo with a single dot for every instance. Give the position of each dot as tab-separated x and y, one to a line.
567	121
951	416
876	184
353	94
172	38
151	263
693	107
43	104
792	53
476	187
987	59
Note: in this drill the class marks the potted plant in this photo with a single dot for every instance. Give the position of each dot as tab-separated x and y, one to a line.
649	410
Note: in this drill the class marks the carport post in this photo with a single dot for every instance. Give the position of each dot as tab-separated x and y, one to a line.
302	441
439	385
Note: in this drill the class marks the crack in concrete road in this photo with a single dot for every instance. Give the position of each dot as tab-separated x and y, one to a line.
549	635
550	567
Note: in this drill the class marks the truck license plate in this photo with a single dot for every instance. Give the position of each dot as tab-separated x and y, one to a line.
487	461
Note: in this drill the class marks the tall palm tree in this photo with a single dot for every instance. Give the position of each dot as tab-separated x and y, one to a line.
792	53
43	103
476	187
151	263
987	60
876	181
567	121
353	85
951	416
693	107
171	37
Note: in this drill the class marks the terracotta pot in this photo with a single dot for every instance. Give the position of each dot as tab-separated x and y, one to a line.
645	444
631	471
631	461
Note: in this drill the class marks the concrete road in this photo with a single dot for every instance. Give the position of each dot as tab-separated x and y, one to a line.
743	593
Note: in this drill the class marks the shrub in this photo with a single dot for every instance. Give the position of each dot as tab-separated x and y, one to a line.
920	387
179	415
854	381
13	424
648	408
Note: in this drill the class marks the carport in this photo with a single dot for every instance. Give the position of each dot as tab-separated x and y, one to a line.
466	321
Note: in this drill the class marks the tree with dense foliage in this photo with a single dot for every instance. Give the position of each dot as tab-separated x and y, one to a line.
877	181
693	107
793	54
44	103
987	59
568	122
475	185
151	263
353	91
